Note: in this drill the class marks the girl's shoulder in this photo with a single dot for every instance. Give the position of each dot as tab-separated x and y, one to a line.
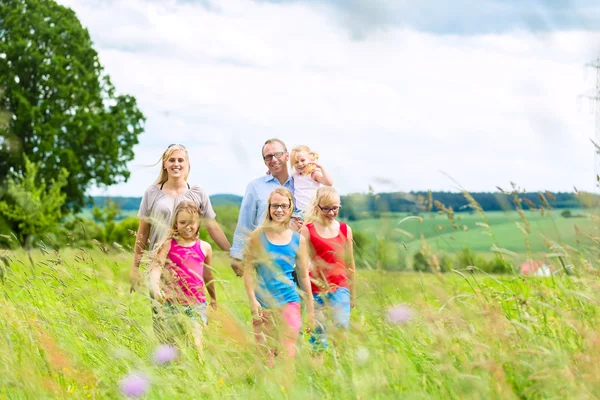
204	246
167	246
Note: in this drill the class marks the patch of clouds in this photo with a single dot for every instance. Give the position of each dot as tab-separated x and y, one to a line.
398	109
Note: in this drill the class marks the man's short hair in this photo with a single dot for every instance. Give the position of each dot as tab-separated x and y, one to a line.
273	140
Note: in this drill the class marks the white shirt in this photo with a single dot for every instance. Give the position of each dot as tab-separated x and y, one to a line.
305	188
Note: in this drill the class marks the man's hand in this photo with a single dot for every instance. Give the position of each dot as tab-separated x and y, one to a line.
237	266
296	224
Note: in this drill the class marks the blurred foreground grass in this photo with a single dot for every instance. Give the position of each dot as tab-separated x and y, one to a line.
70	329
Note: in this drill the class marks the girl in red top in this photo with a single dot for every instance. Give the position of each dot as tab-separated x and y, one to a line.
332	271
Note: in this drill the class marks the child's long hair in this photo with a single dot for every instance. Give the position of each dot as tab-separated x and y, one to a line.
314	155
325	194
188	206
164	176
268	221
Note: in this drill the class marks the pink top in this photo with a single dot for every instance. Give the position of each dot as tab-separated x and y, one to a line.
185	283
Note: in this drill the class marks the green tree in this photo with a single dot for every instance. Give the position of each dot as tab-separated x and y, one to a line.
4	115
31	206
65	111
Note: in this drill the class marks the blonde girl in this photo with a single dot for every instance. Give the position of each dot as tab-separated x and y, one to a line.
181	271
332	271
273	248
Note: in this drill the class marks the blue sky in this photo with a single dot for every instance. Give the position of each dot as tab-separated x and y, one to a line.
394	94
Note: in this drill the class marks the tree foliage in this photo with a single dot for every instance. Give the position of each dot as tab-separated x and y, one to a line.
32	206
65	110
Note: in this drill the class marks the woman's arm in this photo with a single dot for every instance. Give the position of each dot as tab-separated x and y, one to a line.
216	233
351	268
207	274
302	267
141	238
249	280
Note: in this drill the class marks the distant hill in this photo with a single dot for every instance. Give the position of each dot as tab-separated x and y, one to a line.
362	204
133	203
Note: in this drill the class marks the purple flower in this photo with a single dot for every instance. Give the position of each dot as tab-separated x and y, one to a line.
399	314
134	384
165	354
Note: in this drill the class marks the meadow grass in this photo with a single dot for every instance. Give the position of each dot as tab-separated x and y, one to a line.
71	329
470	230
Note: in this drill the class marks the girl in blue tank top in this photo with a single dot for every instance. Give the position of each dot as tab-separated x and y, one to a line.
273	249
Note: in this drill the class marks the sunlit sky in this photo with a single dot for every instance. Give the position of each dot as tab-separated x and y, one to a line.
395	94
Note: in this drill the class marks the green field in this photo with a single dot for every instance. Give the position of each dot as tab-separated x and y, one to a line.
70	329
474	232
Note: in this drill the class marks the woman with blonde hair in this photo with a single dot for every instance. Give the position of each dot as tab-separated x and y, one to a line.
273	249
332	271
159	202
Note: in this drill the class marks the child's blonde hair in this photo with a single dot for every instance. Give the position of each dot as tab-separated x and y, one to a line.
325	194
194	209
312	154
164	176
268	221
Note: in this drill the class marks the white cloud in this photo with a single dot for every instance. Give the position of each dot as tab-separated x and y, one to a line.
401	105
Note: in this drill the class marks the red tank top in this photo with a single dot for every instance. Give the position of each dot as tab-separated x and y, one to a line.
328	271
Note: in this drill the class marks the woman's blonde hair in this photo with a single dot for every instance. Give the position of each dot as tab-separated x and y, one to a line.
164	176
268	221
314	155
326	195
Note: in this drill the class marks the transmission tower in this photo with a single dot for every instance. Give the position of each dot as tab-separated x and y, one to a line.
595	98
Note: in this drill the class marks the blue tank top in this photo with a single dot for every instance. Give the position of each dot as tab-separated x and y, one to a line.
276	286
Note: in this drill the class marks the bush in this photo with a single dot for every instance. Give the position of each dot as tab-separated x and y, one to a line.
420	263
446	263
124	232
390	255
497	265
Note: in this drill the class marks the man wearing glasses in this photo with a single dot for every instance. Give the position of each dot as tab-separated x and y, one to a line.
254	204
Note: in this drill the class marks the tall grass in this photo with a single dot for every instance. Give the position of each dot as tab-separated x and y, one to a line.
71	329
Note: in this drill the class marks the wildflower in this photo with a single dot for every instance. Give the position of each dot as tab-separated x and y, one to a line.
399	314
134	385
362	355
220	382
282	389
165	354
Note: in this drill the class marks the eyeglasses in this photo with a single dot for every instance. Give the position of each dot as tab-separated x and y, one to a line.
176	144
284	207
326	210
269	157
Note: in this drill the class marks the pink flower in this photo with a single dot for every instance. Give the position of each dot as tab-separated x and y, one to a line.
165	354
399	314
134	384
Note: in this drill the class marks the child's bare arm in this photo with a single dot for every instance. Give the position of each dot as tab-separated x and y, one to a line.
207	274
322	175
156	270
351	268
302	266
